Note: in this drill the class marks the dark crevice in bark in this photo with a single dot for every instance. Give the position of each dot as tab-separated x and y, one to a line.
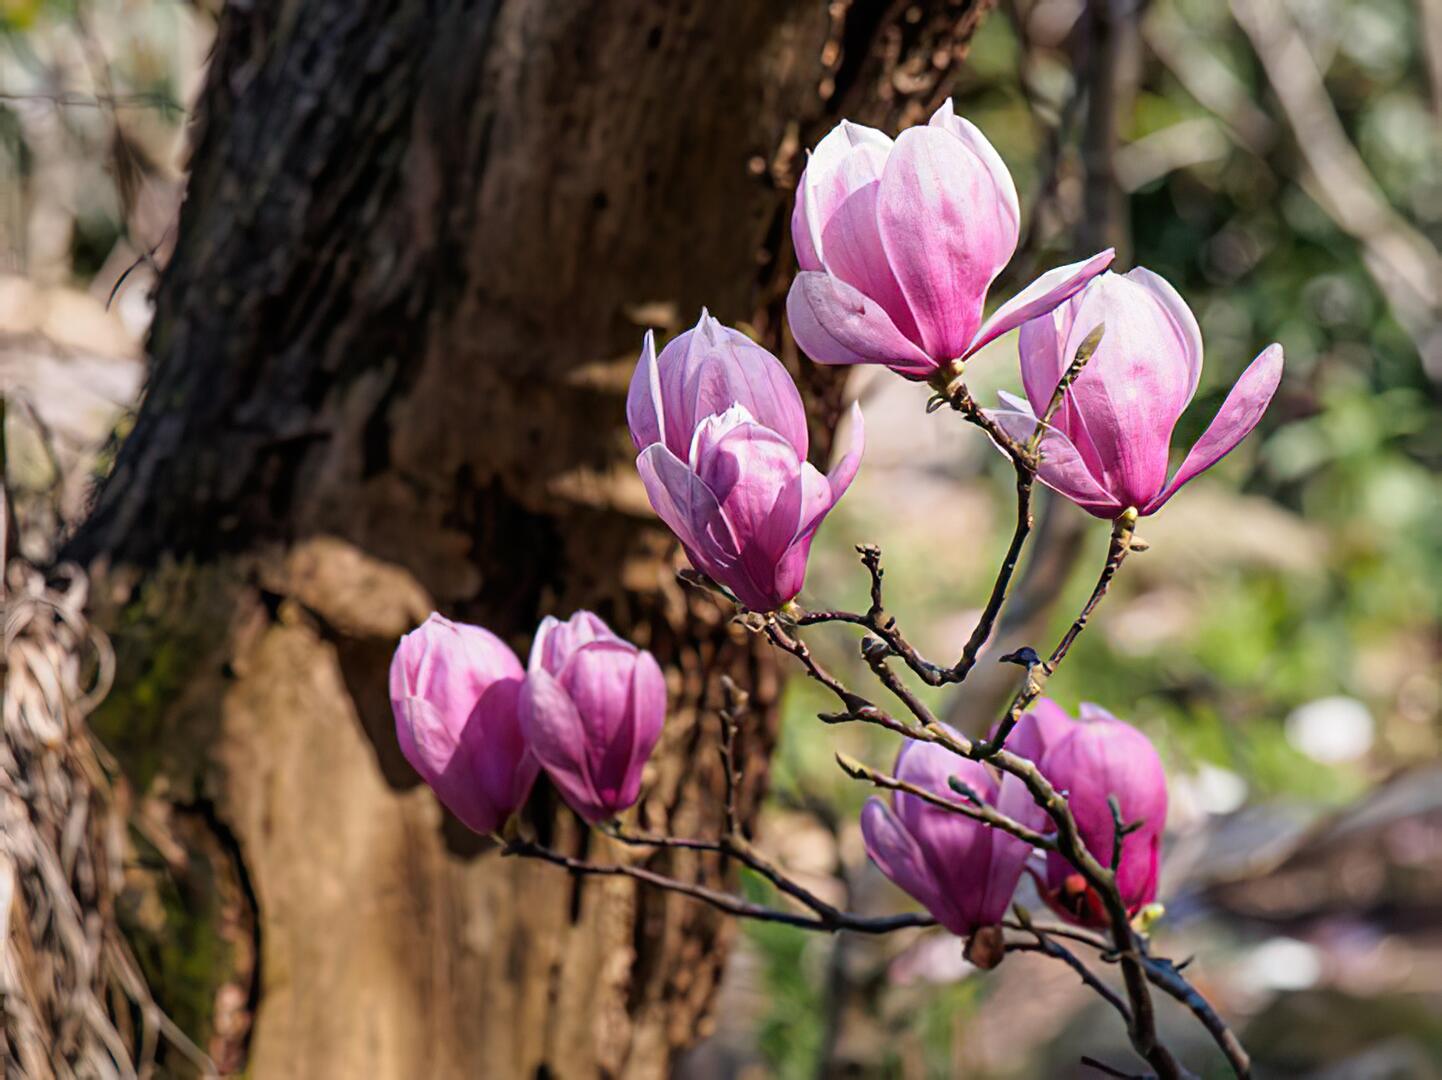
203	810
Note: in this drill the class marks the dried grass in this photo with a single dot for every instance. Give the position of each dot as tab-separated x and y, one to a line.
72	999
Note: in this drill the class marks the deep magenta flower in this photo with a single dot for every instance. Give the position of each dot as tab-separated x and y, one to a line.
1108	447
454	691
898	243
1089	761
962	871
722	438
592	708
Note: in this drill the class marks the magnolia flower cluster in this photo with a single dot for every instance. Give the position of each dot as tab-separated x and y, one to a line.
898	243
478	727
965	872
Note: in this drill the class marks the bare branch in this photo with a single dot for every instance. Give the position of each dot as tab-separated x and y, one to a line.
975	809
722	901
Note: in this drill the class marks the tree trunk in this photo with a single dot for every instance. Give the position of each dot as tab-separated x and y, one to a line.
390	353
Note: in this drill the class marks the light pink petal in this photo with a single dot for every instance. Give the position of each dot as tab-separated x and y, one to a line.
1234	421
705	370
1043	295
690	510
820	493
947	234
556	735
750	470
424	739
644	410
710	368
1189	334
853	249
818	194
945	117
555	641
834	323
1041	345
1062	468
1132	390
807	257
1008	855
816	499
436	755
450	665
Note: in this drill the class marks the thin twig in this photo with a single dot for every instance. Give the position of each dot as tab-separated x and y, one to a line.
974	809
1110	1070
1123	530
880	623
736	704
986	624
722	901
1164	975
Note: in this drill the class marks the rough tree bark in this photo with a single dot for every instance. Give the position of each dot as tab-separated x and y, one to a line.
390	352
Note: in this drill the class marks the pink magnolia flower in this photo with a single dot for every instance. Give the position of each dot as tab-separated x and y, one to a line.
722	435
1107	449
592	708
454	690
960	870
1089	761
898	243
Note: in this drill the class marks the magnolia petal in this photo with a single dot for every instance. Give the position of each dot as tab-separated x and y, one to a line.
820	493
853	246
436	755
500	765
1133	389
645	414
721	368
834	323
897	855
1043	725
449	665
818	194
648	718
555	641
1062	468
1234	421
557	737
755	476
1100	760
1189	334
947	234
945	117
690	510
1043	295
597	679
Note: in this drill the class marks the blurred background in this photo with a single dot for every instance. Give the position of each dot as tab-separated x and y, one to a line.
1281	164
